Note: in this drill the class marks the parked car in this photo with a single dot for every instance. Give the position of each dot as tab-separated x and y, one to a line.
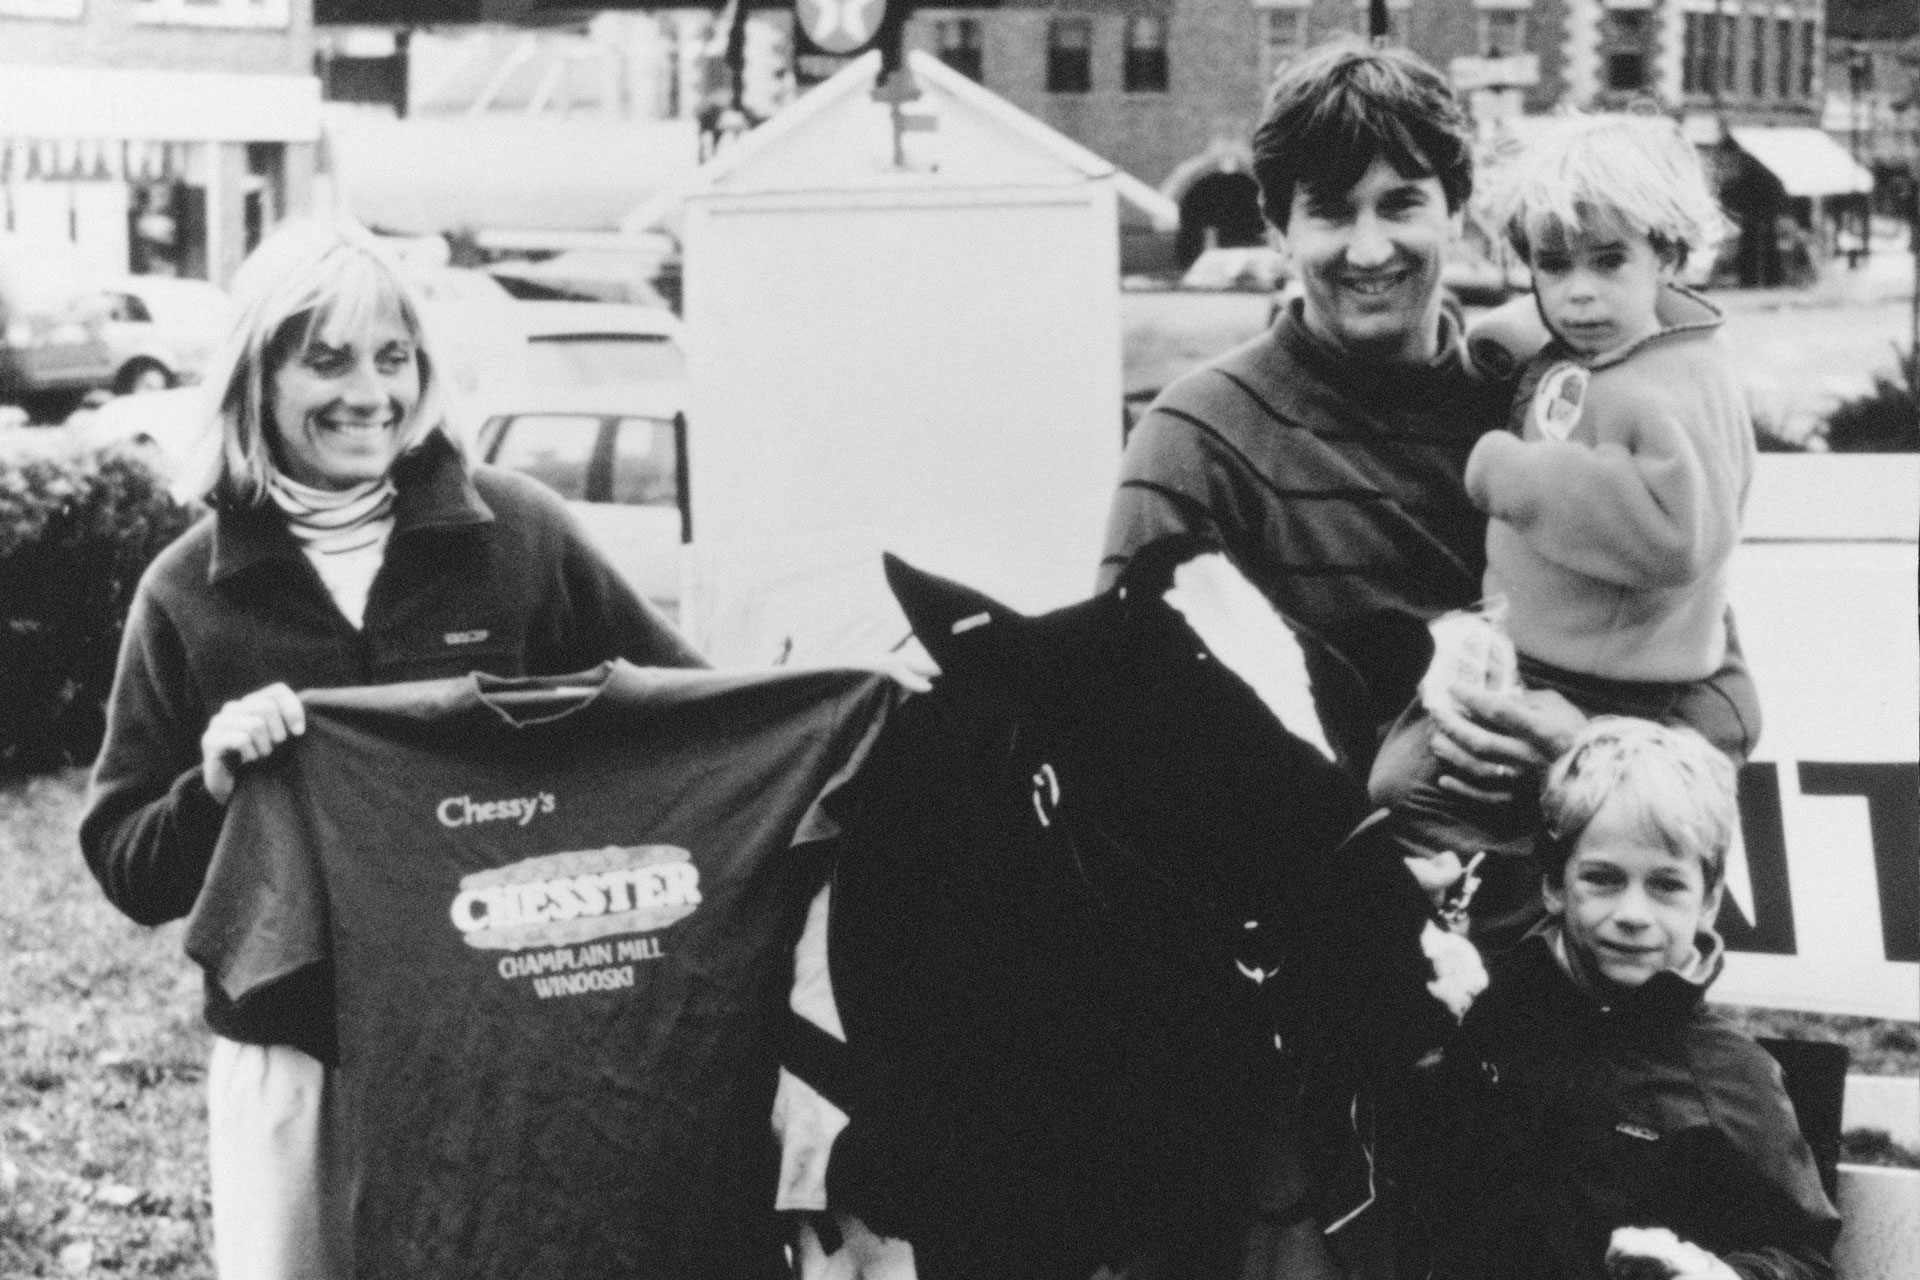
617	454
164	427
67	329
476	329
630	275
1481	270
53	345
160	330
1256	268
598	344
597	414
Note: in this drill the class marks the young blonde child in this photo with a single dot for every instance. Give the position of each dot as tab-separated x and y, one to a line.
1615	500
1592	1117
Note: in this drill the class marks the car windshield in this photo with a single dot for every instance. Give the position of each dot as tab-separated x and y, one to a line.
602	359
565	452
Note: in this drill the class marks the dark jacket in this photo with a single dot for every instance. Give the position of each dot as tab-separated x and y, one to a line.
1555	1116
1337	485
484	572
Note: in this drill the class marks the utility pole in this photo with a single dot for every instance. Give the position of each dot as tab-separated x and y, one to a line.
1858	68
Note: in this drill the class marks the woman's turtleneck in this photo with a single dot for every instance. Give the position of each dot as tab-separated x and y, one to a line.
343	532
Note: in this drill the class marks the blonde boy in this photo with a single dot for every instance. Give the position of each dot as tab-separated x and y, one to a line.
1592	1117
1615	501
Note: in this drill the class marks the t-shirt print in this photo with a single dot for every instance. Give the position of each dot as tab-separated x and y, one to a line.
559	917
1558	400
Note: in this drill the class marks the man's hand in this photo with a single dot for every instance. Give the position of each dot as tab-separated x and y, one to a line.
248	729
1493	741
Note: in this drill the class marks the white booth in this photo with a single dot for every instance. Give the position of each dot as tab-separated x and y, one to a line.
902	330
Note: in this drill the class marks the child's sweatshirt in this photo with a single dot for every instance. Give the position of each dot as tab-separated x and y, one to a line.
1617	506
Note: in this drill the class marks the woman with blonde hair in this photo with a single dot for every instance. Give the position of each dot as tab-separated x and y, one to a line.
348	542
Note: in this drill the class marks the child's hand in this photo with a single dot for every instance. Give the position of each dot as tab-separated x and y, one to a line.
1471	650
1655	1253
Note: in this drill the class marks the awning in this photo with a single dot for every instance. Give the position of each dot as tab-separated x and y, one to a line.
528	173
120	103
1807	161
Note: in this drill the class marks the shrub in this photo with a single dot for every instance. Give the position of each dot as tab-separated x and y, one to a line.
1874	1146
1886	420
75	536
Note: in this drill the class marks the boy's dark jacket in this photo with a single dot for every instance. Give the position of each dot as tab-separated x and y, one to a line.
1553	1117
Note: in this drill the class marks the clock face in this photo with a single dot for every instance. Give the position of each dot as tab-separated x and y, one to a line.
840	26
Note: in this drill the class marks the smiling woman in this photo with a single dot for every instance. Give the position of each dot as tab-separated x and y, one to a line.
349	543
339	410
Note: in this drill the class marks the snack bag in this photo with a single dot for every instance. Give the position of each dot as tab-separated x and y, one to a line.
1471	649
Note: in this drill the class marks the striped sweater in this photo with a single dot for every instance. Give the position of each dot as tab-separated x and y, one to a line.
1338	486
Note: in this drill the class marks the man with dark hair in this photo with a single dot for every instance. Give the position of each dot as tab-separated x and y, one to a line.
1333	114
1328	456
1328	453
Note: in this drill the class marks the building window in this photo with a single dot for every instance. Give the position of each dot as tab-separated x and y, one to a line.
1783	57
1693	52
1146	66
1757	56
1806	59
214	13
1069	55
1624	41
1503	32
957	41
69	9
1859	71
1283	34
1395	22
1626	71
1728	52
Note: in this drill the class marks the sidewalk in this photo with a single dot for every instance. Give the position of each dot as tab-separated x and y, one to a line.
1886	276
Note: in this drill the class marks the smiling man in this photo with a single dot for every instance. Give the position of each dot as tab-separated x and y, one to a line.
1328	453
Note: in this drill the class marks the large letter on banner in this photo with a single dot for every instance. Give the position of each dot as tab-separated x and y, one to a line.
1823	903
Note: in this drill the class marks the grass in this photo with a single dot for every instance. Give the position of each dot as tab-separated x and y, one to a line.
102	1065
103	1165
1875	1047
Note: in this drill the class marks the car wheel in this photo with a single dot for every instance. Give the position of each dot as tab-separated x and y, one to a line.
142	375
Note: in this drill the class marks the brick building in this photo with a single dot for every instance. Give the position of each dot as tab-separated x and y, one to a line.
157	135
1873	92
1169	90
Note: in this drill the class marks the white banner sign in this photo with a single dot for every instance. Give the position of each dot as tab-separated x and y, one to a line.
1823	908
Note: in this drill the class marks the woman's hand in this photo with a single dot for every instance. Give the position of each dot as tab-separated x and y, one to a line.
245	730
1496	740
910	666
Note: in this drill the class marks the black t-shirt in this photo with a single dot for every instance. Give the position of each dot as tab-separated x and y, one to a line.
559	928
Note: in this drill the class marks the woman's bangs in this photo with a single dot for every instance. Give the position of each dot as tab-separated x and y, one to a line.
360	293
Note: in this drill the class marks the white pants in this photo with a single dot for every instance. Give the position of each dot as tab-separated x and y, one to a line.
273	1216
